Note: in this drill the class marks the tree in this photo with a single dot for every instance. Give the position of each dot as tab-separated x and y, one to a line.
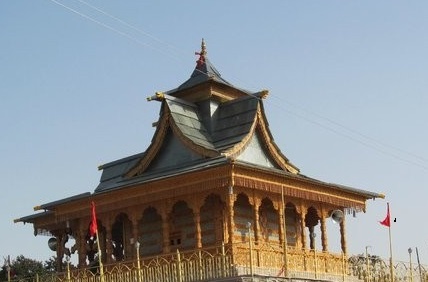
22	268
372	265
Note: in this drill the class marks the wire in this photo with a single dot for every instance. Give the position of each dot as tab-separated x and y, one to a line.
171	47
352	135
352	138
139	42
359	133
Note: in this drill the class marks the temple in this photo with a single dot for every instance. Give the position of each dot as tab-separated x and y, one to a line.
212	198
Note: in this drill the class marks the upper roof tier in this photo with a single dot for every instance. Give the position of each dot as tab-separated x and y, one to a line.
206	82
204	71
205	117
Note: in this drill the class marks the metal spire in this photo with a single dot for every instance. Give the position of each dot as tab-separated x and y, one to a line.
203	48
202	54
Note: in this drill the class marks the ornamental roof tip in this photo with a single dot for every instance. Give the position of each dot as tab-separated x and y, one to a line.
204	71
159	96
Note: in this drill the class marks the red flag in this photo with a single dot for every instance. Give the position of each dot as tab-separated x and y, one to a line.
93	227
387	220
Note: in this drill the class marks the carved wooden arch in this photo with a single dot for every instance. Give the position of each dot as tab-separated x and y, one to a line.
209	194
121	246
277	201
267	198
316	206
143	210
151	232
114	214
267	203
312	211
148	208
327	210
118	214
293	204
237	190
244	195
299	204
226	193
252	200
196	203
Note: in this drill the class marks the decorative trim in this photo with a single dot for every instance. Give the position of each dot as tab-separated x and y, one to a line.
156	144
312	194
240	147
188	142
282	160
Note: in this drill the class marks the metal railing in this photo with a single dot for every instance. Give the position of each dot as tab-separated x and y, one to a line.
242	260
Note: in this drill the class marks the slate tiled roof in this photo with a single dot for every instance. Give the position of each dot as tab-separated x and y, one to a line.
202	73
114	172
186	116
234	121
212	125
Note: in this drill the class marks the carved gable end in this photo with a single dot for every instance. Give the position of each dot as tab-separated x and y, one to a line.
181	138
256	153
172	154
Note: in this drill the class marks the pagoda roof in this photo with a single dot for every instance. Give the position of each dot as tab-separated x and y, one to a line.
204	123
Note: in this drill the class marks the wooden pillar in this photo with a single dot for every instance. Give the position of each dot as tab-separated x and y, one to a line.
343	237
303	228
59	251
134	235
256	207
165	230
81	245
109	245
102	242
197	219
196	205
281	222
312	242
324	240
230	205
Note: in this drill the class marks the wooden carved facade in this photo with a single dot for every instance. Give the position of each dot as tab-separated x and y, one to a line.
211	176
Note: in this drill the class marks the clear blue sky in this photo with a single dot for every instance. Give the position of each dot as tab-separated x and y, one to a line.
348	97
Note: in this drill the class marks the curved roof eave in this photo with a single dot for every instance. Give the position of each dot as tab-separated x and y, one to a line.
361	192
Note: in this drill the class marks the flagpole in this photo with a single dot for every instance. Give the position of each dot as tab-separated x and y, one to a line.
100	257
93	231
387	222
391	267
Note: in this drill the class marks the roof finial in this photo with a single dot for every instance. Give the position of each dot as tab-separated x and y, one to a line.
202	54
203	48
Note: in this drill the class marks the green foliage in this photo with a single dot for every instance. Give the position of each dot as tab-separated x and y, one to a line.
24	268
